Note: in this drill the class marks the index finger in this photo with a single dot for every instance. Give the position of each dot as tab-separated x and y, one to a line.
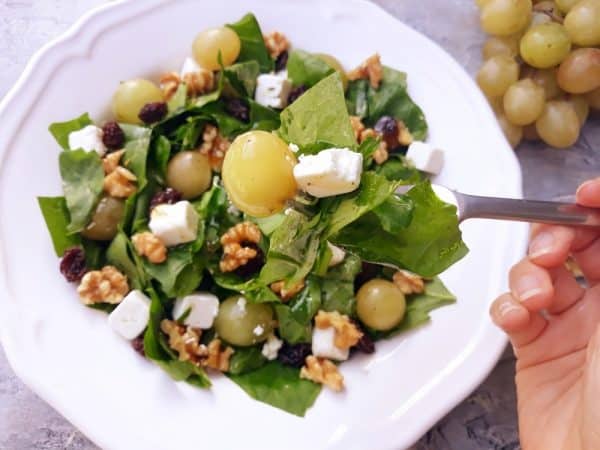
588	194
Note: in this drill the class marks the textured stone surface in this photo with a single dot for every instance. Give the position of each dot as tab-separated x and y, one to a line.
487	418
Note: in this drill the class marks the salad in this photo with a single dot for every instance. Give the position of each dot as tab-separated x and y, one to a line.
242	216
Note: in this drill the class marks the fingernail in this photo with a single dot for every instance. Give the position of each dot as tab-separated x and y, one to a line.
527	287
542	244
506	308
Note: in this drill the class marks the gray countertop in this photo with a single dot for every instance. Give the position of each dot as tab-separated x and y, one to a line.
487	418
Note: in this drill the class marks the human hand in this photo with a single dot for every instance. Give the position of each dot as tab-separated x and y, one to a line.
554	326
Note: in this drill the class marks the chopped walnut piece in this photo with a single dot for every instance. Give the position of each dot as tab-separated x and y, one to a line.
235	252
197	83
150	246
169	82
408	282
111	161
218	358
285	294
103	286
404	136
346	332
120	183
276	43
357	126
381	154
370	69
321	370
214	146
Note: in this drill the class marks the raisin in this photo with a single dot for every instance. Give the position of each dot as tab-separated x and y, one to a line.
294	354
72	264
368	272
138	345
113	136
295	93
281	61
153	112
365	344
238	109
253	265
388	128
169	195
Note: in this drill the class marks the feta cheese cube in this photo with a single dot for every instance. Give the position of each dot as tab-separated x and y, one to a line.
130	318
89	138
323	345
189	66
425	157
272	90
330	172
271	347
337	254
174	224
202	306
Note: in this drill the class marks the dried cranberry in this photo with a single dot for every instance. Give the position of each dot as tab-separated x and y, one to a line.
253	265
112	135
365	344
169	195
388	128
295	93
72	264
153	112
138	345
294	354
281	61
368	272
238	109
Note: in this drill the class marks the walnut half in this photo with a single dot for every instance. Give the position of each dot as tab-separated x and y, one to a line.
408	282
236	251
346	333
148	245
323	371
370	69
103	286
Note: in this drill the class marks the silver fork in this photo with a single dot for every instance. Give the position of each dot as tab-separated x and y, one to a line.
476	207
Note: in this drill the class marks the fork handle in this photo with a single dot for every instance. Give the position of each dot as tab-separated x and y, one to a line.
473	206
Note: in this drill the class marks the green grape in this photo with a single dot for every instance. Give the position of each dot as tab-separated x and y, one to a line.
242	323
505	17
380	304
258	173
335	65
189	173
580	71
209	43
497	74
583	23
545	45
507	45
523	102
565	5
131	96
593	98
558	125
105	220
513	133
581	107
546	78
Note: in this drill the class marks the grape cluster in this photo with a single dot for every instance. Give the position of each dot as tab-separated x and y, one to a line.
541	69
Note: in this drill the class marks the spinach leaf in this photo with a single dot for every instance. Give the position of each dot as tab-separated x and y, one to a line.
56	215
137	143
279	386
306	69
268	224
242	77
429	245
305	305
246	359
395	213
185	371
367	148
262	117
177	102
396	169
121	255
357	98
318	118
94	254
290	329
253	44
159	158
180	274
61	130
338	286
83	178
419	306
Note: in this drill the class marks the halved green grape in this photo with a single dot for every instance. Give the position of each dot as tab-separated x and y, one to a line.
580	71
105	220
497	74
523	102
513	133
505	17
335	65
507	45
530	133
565	5
581	107
131	96
558	125
545	78
258	173
242	323
545	45
209	43
583	23
189	173
380	304
593	98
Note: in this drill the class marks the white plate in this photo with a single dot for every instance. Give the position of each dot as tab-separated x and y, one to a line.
70	357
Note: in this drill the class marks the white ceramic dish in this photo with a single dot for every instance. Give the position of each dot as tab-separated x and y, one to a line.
70	357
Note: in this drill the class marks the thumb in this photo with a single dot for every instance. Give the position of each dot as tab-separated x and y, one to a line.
590	433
